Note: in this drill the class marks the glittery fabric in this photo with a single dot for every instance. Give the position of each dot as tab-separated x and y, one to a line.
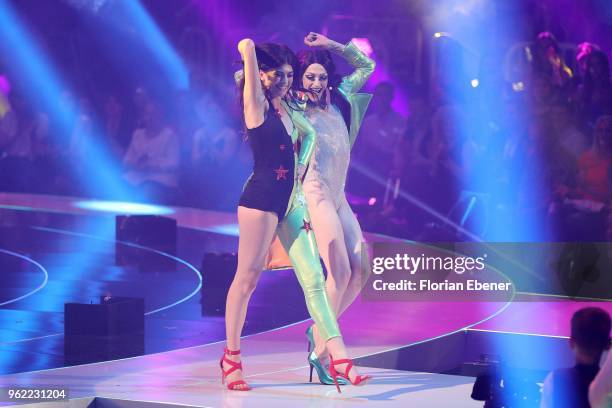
326	175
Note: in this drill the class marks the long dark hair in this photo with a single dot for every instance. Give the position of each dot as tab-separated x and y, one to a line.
308	57
600	57
271	56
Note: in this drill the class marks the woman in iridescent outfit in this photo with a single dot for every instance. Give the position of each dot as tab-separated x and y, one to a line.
335	109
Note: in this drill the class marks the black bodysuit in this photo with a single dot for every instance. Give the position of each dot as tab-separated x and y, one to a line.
271	185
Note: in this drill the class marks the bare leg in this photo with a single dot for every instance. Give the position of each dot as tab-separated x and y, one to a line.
337	349
332	248
256	232
353	238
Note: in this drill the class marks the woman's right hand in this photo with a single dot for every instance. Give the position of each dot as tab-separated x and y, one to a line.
317	40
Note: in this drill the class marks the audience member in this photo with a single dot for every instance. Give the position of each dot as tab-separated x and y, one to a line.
379	136
381	130
547	60
567	133
590	337
116	125
593	97
15	149
152	158
214	149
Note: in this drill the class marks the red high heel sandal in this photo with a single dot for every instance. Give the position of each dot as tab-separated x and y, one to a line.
359	380
234	366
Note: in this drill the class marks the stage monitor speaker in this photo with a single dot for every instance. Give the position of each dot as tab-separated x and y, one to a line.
110	330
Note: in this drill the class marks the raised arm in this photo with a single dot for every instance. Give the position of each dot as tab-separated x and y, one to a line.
364	66
253	95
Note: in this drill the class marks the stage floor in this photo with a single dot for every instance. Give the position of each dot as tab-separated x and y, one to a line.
191	377
65	254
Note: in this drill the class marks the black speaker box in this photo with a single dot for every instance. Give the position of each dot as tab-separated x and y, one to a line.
110	330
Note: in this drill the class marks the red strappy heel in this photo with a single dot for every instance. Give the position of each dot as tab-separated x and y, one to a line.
359	380
234	366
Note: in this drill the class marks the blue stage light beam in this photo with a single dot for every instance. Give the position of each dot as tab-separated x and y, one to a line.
101	176
477	115
479	120
159	45
118	207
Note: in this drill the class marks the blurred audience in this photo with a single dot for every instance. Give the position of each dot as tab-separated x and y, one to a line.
379	136
79	150
547	60
381	128
214	158
566	131
15	149
582	208
583	50
115	125
152	157
527	126
593	96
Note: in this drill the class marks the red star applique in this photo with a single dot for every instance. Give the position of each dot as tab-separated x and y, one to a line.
307	226
281	173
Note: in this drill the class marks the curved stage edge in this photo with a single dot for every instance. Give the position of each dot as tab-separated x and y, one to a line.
275	359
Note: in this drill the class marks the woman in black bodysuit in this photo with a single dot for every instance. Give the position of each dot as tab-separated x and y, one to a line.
273	203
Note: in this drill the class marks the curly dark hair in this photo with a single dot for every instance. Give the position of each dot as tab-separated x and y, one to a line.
308	57
323	57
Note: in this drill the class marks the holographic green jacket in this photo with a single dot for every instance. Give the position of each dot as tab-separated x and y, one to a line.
351	84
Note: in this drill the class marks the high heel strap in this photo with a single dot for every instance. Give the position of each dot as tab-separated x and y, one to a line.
359	379
349	364
231	352
233	366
